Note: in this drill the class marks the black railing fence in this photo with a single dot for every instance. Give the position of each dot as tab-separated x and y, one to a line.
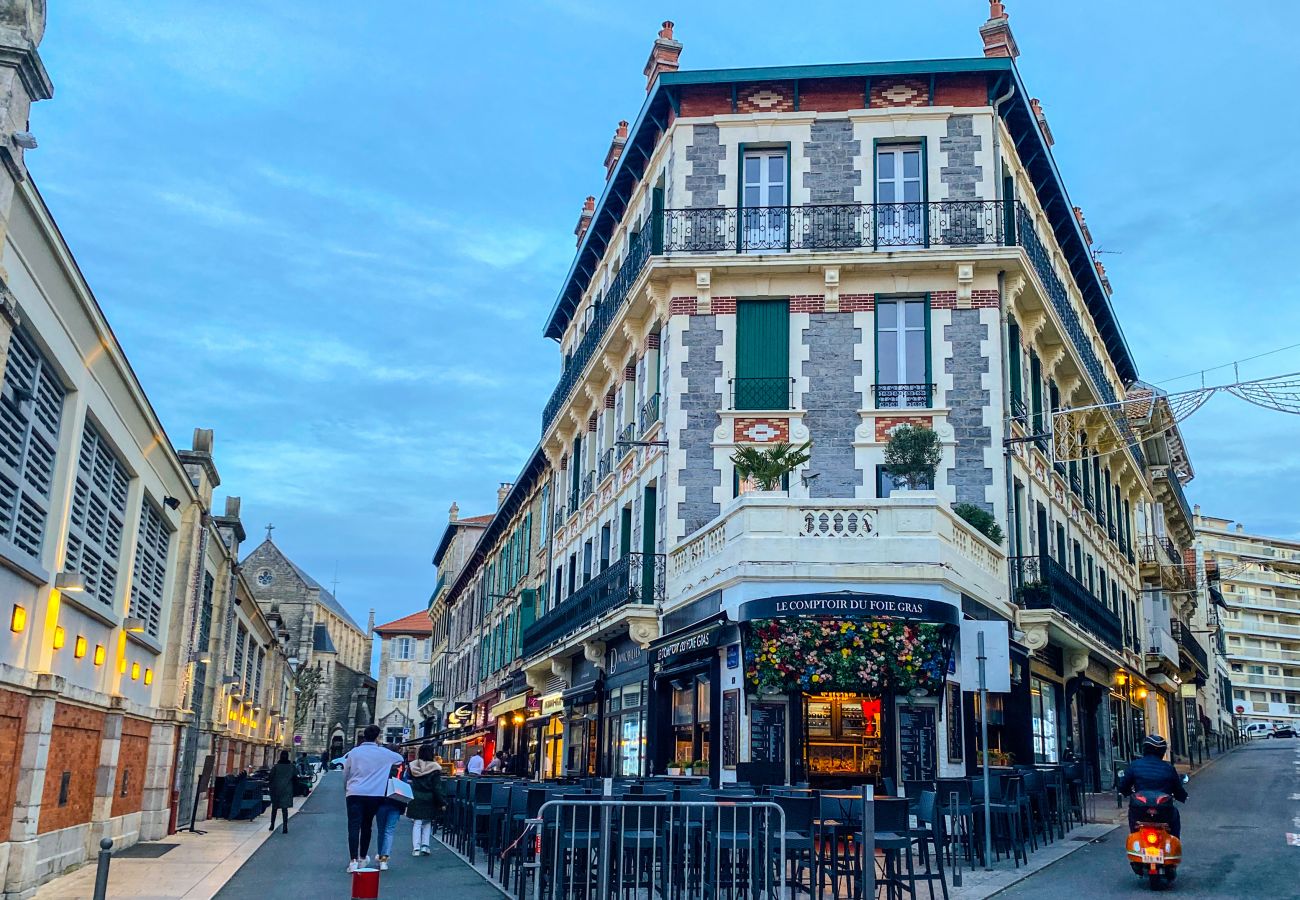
635	578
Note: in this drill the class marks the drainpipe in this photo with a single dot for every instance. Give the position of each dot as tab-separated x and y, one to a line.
997	155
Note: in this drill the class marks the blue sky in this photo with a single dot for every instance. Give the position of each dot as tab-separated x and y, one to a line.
331	231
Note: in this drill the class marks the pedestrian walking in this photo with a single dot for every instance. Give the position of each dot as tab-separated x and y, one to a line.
475	764
427	803
365	774
282	779
387	816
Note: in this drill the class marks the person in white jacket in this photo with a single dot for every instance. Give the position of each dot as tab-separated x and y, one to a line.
365	772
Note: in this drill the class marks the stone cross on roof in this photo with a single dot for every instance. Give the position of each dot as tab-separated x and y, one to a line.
269	529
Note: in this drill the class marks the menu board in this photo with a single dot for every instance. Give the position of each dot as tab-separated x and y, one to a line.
916	738
730	728
767	733
952	715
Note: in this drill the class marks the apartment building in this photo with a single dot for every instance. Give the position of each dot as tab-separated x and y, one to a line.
824	253
405	652
1260	619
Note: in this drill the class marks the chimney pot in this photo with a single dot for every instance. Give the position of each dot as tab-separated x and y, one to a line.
584	218
502	492
615	148
454	512
1083	224
996	33
1042	121
663	55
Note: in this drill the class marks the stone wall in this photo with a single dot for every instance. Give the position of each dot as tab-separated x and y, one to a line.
968	402
832	175
960	145
706	155
700	402
831	404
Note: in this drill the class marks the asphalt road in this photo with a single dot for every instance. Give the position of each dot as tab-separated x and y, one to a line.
312	859
1235	837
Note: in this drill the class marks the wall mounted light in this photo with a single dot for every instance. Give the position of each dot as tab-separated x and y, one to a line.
148	676
58	637
1141	693
133	623
1121	678
70	582
230	679
135	671
171	502
99	654
18	619
121	666
79	646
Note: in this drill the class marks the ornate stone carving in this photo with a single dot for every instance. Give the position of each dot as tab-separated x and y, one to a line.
1035	637
594	651
643	631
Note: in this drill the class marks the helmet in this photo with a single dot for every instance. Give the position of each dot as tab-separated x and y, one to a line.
1154	745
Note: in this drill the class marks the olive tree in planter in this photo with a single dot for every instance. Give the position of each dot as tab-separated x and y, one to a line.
912	456
768	466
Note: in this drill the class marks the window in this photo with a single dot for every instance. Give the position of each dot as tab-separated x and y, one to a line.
98	517
903	353
1036	393
149	572
762	355
399	687
886	484
1013	355
1042	700
900	195
402	648
764	200
31	404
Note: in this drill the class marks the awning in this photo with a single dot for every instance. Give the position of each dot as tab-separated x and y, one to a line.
703	637
851	605
469	738
582	693
519	701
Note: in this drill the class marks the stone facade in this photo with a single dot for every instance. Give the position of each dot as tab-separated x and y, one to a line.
960	144
831	403
706	155
968	404
833	175
700	400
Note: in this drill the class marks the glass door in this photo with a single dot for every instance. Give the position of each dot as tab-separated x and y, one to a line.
764	201
900	197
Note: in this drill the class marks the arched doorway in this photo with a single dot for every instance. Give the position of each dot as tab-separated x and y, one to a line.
336	746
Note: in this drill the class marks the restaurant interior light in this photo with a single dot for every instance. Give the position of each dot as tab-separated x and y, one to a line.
59	637
18	619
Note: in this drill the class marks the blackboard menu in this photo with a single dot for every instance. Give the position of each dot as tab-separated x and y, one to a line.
952	714
767	733
730	728
916	736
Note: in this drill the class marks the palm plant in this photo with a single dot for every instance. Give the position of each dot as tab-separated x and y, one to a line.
767	466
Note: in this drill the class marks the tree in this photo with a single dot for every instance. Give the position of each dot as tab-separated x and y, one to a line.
306	685
767	466
912	456
981	520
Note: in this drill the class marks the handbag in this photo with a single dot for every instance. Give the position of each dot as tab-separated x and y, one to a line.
399	791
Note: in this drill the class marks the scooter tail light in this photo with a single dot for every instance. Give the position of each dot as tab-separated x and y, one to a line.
1152	837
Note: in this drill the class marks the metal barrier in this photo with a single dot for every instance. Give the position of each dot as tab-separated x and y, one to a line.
599	848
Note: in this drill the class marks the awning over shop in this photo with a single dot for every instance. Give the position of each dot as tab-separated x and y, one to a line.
467	739
509	705
851	605
577	695
699	638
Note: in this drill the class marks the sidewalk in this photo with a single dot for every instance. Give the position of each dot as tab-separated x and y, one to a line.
190	867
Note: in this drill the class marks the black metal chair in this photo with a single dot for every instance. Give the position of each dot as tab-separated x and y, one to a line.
893	840
930	836
960	828
799	846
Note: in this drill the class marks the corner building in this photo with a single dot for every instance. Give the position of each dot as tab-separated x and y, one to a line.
825	253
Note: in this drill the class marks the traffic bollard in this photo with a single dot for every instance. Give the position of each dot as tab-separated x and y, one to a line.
101	870
365	884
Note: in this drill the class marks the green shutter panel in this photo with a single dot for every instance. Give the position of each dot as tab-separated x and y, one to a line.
1013	355
762	355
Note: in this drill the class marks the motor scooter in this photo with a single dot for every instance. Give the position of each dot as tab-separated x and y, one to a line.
1153	852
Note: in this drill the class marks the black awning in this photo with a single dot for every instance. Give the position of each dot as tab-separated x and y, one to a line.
700	639
851	605
588	692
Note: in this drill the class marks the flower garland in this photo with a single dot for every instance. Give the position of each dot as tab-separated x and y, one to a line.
861	656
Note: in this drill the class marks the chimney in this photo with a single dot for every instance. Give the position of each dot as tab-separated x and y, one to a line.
1042	121
664	55
1101	273
1083	224
584	220
454	513
1241	529
615	148
996	32
1196	510
232	507
502	492
370	624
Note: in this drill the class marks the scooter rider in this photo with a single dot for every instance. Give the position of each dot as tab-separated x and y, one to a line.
1150	772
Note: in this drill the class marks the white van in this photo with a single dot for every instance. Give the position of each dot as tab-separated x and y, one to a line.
1258	729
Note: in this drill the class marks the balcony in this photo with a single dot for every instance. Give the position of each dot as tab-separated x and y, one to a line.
1166	476
1043	583
1237	626
903	396
606	466
432	691
636	579
1160	551
911	536
1285	682
588	485
627	436
649	412
561	516
1161	649
761	394
837	226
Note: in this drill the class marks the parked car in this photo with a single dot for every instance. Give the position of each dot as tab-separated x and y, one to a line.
1285	731
1258	729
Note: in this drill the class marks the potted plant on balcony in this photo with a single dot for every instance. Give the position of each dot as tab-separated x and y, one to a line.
912	456
980	519
768	466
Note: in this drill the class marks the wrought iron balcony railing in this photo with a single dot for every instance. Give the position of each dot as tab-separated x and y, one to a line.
836	226
649	412
1170	478
903	396
588	485
606	466
575	498
561	516
636	578
767	394
1188	644
627	436
1043	583
1159	550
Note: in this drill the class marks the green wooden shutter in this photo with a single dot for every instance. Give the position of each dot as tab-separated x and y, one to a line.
762	355
1013	355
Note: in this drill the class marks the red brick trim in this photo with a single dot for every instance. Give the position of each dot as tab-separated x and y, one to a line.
985	299
857	302
724	306
901	91
681	306
742	426
943	299
652	341
629	373
609	399
884	424
807	303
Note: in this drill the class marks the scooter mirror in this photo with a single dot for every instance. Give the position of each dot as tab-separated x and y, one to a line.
1186	779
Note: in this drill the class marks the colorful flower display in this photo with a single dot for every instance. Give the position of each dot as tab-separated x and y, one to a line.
864	656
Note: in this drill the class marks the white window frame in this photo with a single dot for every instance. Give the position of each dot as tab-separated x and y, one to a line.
402	648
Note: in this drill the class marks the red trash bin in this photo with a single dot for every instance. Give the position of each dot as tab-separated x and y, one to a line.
365	884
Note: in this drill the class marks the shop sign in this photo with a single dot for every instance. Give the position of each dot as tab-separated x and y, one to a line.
459	716
1187	691
693	643
624	657
552	703
733	656
851	605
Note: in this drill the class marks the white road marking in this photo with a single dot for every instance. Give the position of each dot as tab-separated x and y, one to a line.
1293	839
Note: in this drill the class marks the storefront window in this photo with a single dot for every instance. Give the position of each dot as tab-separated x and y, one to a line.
1042	698
625	734
691	719
580	740
553	742
843	734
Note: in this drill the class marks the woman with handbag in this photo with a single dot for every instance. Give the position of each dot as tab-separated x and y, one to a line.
425	776
390	810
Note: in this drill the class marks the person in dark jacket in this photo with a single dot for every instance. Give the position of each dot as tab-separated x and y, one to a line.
427	801
1150	772
282	778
